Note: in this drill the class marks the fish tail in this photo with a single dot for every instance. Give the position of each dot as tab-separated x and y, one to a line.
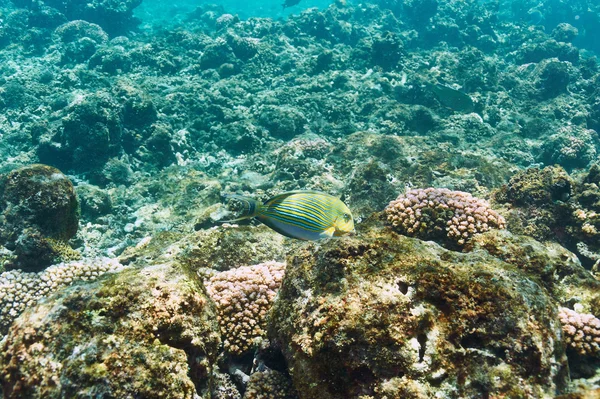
245	207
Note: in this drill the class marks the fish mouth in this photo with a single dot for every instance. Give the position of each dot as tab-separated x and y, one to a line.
339	233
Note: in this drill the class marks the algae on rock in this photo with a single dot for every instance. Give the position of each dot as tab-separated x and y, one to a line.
391	316
147	332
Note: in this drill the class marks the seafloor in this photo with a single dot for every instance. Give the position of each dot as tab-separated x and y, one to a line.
463	135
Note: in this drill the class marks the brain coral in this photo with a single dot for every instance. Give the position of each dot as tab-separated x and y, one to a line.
243	297
441	213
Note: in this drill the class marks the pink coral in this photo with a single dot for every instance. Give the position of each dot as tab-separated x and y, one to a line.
582	331
270	384
243	297
438	212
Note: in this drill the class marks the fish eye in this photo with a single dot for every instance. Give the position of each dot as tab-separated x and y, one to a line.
347	217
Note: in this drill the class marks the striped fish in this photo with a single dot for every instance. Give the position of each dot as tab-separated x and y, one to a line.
305	215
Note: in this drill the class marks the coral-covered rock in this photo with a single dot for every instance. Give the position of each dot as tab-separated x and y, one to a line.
240	136
89	135
565	32
392	316
541	195
139	112
282	122
39	210
553	78
94	201
112	60
227	247
537	186
142	333
115	17
216	54
470	127
548	204
78	40
41	196
244	48
571	147
387	50
538	51
547	263
224	387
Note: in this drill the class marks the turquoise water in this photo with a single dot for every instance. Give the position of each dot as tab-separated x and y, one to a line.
151	10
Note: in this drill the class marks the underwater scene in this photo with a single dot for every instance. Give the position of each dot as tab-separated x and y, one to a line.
300	199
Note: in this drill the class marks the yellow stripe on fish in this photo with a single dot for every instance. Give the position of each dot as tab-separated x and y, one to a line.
305	215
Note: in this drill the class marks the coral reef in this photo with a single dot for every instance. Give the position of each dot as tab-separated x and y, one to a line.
153	119
441	213
93	338
243	298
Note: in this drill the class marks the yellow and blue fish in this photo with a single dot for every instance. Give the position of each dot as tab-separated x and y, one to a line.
305	215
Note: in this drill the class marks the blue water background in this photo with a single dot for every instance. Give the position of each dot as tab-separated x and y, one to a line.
169	13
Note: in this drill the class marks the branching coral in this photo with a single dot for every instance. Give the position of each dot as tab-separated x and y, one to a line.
269	384
582	331
437	212
20	290
243	297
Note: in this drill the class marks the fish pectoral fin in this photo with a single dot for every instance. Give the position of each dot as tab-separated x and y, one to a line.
328	233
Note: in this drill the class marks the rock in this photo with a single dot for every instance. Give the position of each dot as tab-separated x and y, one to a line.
224	248
553	78
90	134
389	316
147	332
39	209
95	202
565	32
282	122
78	40
550	265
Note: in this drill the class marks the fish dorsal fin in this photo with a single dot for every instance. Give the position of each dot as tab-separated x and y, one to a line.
281	196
